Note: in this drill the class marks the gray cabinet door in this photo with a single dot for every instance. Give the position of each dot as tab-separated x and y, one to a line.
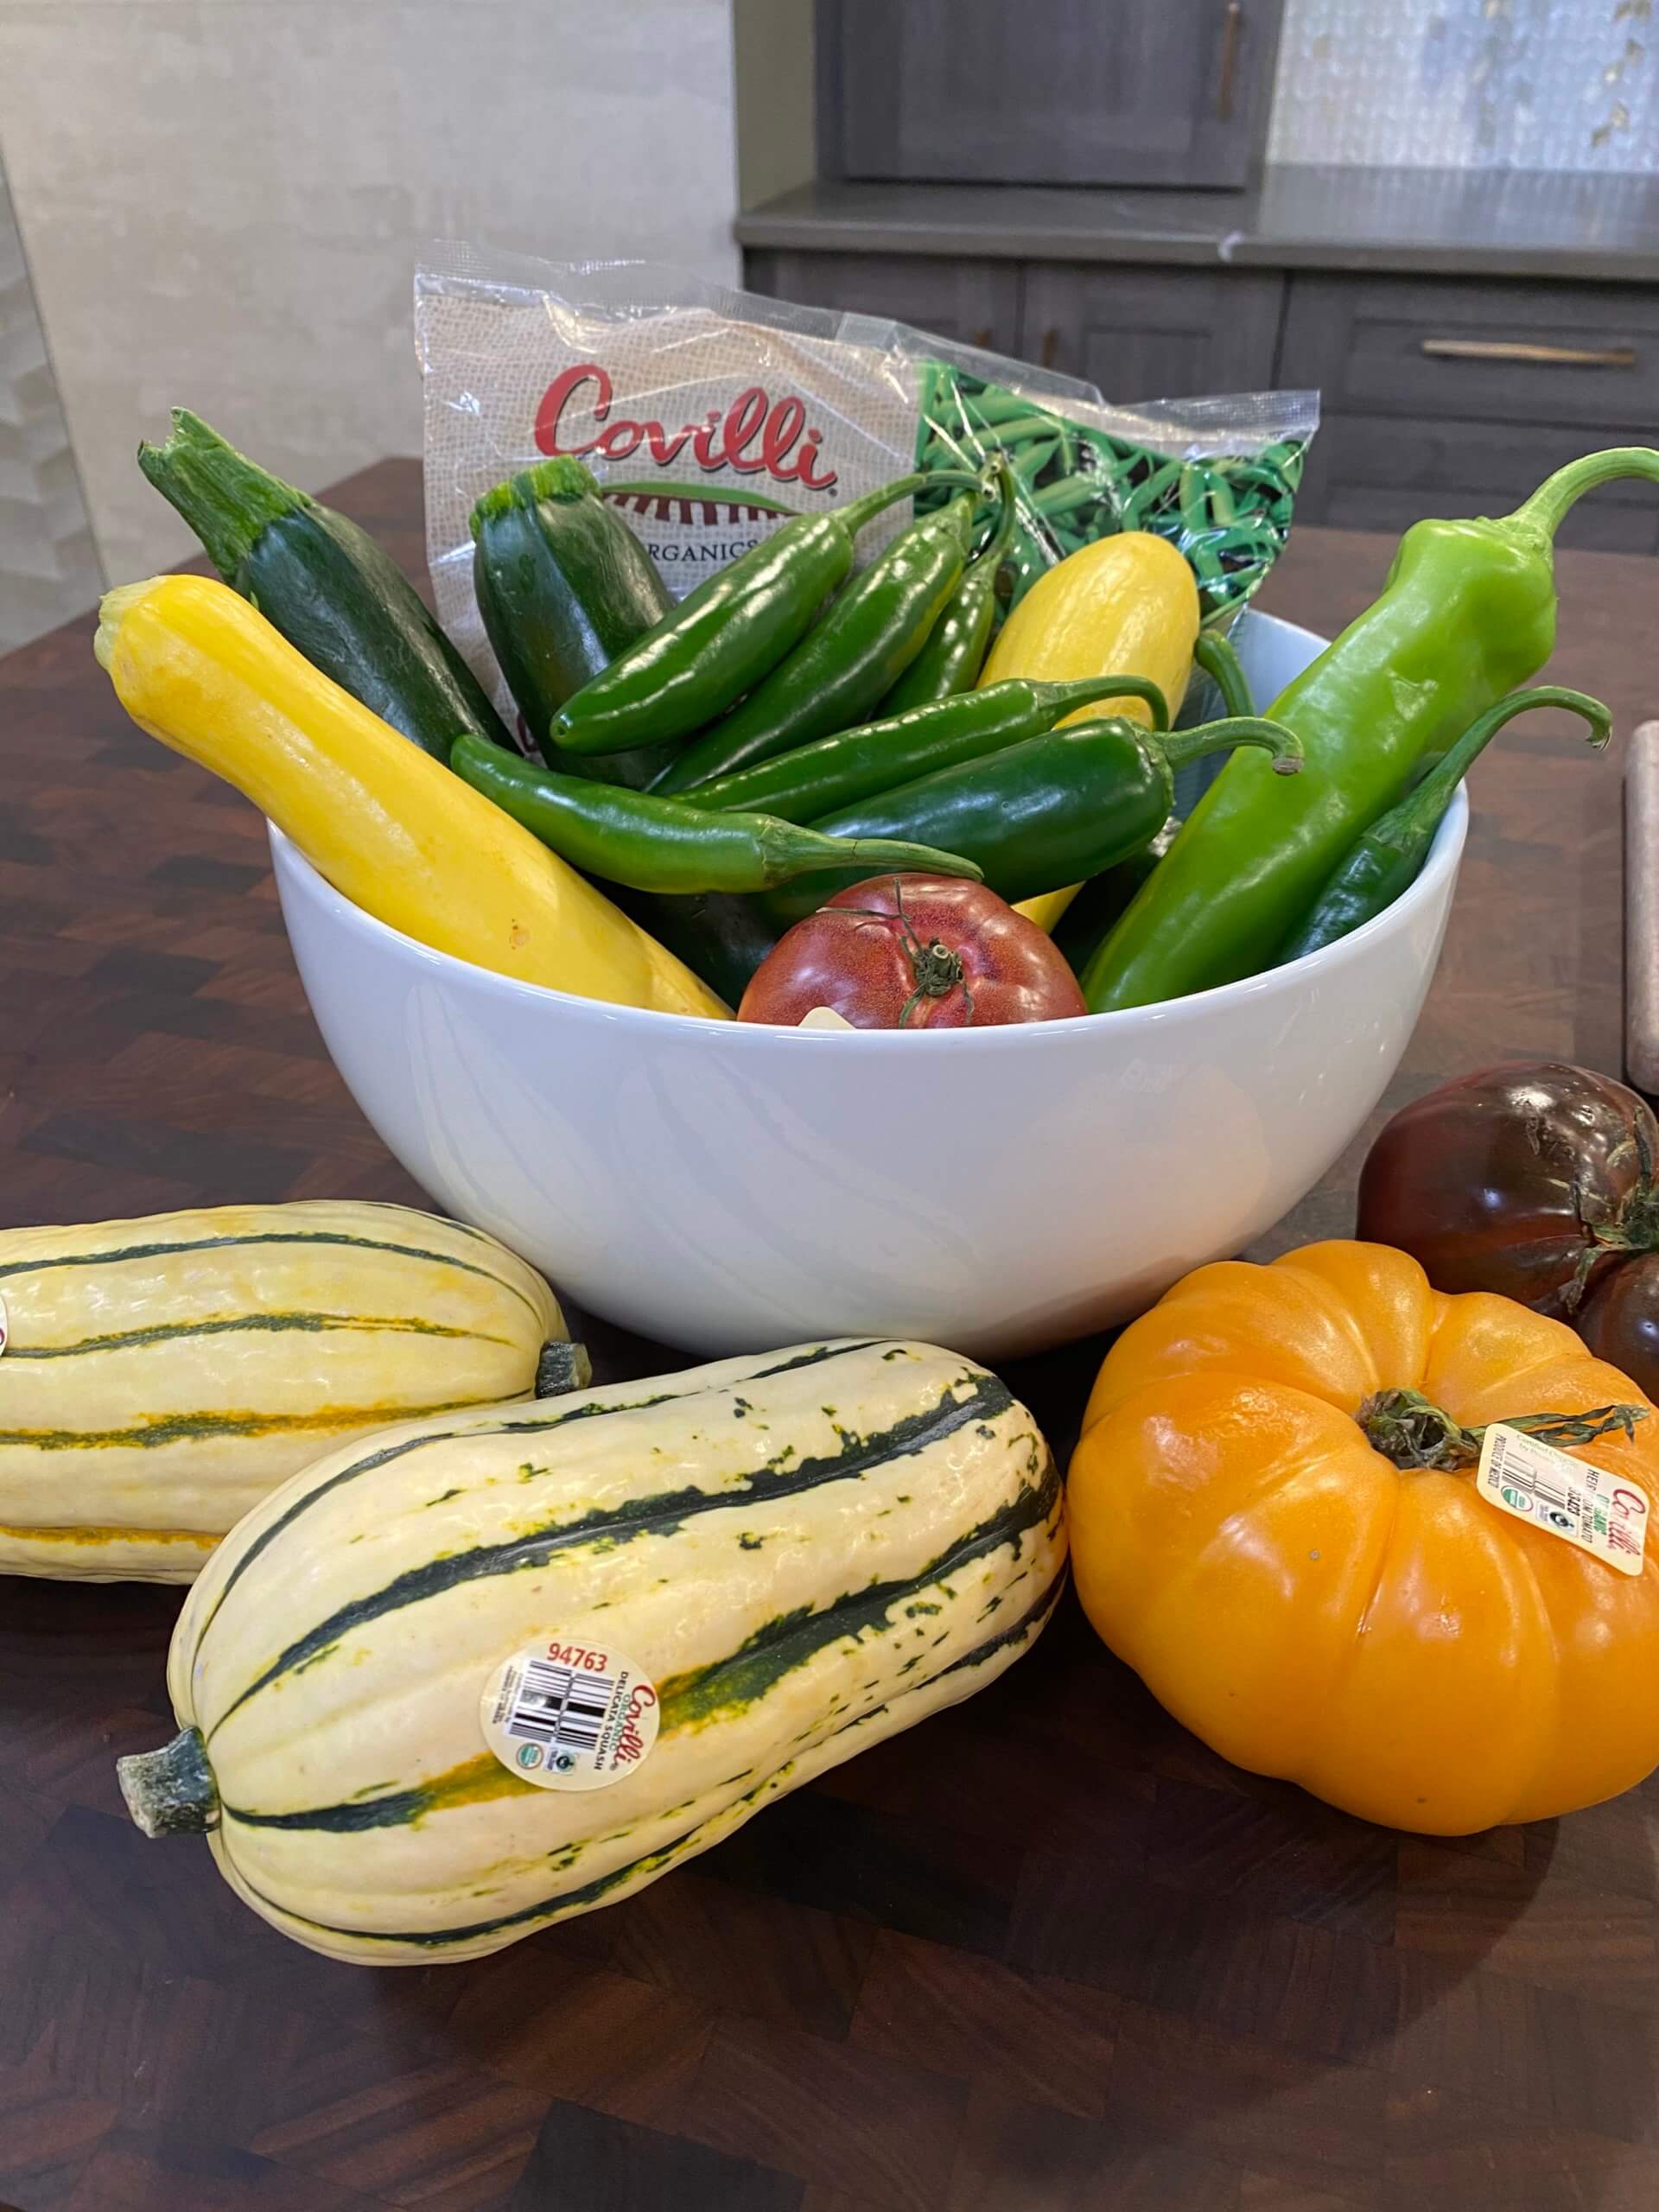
1153	333
976	302
1046	91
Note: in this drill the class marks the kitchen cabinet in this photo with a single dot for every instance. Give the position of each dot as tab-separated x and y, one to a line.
1051	92
976	302
1153	333
1440	394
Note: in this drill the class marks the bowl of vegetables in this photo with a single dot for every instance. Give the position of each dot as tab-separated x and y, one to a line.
726	1185
1013	1050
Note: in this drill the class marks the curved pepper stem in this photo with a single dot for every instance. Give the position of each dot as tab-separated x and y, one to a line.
1421	809
857	513
1544	510
1415	1433
1216	656
1181	745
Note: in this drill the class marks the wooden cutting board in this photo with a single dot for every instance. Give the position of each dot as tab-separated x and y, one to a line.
1642	908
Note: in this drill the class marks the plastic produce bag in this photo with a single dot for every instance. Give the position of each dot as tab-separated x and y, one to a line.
711	415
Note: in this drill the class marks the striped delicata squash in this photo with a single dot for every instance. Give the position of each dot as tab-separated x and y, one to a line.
489	1672
158	1377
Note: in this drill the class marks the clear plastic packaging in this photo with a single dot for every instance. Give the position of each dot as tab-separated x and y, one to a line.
711	415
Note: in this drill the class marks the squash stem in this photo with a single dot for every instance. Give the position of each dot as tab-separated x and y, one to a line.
172	1791
227	500
563	1367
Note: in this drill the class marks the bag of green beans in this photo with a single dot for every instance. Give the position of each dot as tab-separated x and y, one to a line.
1091	471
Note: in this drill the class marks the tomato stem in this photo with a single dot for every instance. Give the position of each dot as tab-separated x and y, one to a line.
1413	1433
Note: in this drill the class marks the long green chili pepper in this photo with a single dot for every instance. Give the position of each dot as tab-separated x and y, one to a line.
1053	810
1387	859
1468	614
663	844
719	642
954	652
857	764
839	671
1216	656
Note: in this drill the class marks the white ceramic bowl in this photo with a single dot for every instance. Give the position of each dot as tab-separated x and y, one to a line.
727	1187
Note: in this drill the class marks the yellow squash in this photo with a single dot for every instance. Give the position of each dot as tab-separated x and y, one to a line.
159	1378
388	826
1127	603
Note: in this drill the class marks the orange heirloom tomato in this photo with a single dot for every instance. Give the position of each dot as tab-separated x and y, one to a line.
1313	1609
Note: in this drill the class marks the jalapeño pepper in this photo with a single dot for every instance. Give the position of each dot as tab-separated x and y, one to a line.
724	637
854	656
1055	810
877	756
1468	612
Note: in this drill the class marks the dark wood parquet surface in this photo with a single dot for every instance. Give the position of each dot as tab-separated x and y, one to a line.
1045	1952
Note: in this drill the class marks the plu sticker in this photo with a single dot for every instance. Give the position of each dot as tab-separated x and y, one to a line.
1599	1511
569	1716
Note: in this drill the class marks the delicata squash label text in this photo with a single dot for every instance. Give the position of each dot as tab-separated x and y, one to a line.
566	1715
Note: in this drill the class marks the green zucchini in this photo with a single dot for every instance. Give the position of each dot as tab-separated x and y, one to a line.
326	585
563	585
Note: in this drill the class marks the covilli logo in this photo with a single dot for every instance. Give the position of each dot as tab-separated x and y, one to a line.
756	434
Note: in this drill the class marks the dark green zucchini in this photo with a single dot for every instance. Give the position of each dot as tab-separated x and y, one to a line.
563	585
325	584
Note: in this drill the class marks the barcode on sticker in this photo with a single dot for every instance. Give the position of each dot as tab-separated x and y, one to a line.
1600	1512
559	1707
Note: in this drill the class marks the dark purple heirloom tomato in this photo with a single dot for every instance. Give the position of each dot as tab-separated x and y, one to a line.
1535	1181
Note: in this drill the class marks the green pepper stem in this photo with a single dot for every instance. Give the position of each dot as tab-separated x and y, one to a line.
996	546
1085	690
227	500
1181	746
1215	655
789	849
857	513
1418	815
1544	509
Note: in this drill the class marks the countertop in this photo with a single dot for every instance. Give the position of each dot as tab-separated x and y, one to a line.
1424	222
1044	1953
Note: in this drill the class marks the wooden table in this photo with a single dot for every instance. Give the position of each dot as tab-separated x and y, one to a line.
1045	1952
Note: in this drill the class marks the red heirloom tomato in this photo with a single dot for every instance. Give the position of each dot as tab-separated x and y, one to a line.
915	953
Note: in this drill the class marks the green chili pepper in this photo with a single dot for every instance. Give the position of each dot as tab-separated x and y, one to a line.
954	652
663	844
858	763
1216	656
853	657
1052	812
1387	859
1469	612
724	637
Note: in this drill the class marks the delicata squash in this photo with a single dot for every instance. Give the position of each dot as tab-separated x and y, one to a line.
158	1377
1279	1521
483	1672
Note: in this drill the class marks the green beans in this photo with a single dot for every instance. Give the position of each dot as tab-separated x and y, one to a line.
857	764
722	639
663	845
851	659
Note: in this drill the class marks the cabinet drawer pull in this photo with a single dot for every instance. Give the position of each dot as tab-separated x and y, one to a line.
981	337
1232	23
1050	347
1514	349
